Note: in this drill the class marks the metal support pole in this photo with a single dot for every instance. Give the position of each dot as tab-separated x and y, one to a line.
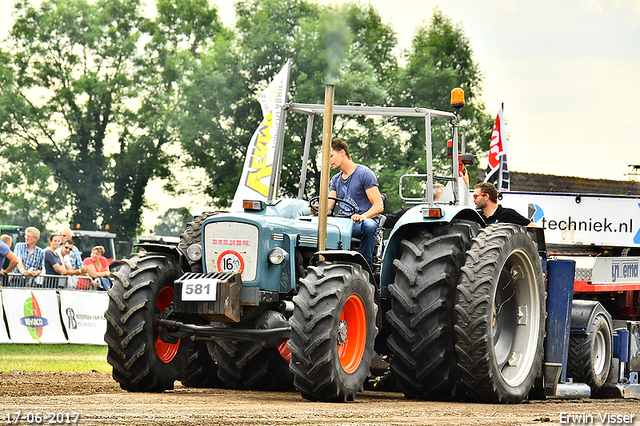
305	157
277	159
454	165
327	130
429	158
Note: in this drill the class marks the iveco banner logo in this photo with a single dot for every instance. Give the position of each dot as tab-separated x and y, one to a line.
32	318
624	269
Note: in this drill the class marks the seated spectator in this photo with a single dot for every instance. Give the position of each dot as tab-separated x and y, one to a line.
98	268
30	257
54	262
75	256
8	260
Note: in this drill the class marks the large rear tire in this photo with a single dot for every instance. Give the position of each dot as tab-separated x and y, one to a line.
422	310
193	235
333	332
200	370
141	360
500	315
247	365
590	354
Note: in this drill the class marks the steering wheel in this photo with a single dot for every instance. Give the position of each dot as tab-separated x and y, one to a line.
350	210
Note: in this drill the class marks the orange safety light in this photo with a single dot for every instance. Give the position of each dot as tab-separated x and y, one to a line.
107	227
77	226
432	212
253	205
457	98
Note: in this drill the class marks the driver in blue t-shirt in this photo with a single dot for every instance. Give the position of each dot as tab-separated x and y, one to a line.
358	185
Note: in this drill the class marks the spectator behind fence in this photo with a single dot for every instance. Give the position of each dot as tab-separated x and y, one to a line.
98	268
54	263
8	260
51	259
75	256
64	252
30	256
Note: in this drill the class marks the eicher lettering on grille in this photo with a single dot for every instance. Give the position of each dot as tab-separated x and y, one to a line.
600	419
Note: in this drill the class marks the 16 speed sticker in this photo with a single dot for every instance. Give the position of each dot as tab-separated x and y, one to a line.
230	261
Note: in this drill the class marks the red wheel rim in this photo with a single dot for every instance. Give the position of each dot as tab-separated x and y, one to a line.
350	352
284	351
166	351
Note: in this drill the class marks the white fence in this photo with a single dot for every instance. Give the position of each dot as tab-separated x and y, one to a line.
44	310
70	282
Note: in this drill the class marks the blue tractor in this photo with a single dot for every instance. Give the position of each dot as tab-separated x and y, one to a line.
248	301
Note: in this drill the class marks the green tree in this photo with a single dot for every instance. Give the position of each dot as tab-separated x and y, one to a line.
350	44
351	47
173	221
440	59
89	100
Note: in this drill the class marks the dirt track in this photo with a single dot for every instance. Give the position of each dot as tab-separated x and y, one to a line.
99	400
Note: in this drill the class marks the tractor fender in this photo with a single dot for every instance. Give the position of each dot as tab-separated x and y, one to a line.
583	312
166	249
410	223
352	256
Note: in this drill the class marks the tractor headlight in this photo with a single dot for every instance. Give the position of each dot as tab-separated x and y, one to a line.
194	252
277	256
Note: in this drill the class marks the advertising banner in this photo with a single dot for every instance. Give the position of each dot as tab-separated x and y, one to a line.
83	316
571	219
33	316
257	171
4	337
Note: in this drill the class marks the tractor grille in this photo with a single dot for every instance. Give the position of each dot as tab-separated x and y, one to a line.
231	247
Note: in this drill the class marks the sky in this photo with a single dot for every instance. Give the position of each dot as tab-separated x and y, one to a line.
568	73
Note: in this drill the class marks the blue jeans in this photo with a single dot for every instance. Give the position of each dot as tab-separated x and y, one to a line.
104	283
366	232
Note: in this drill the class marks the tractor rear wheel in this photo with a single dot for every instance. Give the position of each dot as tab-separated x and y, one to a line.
333	332
500	315
422	310
200	370
193	235
141	360
590	354
248	365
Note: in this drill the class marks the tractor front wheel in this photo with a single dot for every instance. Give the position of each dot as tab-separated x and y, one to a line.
333	332
142	361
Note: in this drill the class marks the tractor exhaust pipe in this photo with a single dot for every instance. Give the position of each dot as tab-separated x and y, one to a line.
327	130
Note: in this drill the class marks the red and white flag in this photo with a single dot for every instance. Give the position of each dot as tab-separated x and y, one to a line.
497	172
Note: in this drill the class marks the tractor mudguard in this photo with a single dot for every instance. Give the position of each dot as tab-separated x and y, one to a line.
583	312
166	249
351	256
407	225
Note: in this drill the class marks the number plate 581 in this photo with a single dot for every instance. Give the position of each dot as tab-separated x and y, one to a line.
200	289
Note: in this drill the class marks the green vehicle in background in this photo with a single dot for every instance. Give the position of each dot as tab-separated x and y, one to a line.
16	232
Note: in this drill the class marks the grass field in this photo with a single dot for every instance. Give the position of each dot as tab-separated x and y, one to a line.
69	358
